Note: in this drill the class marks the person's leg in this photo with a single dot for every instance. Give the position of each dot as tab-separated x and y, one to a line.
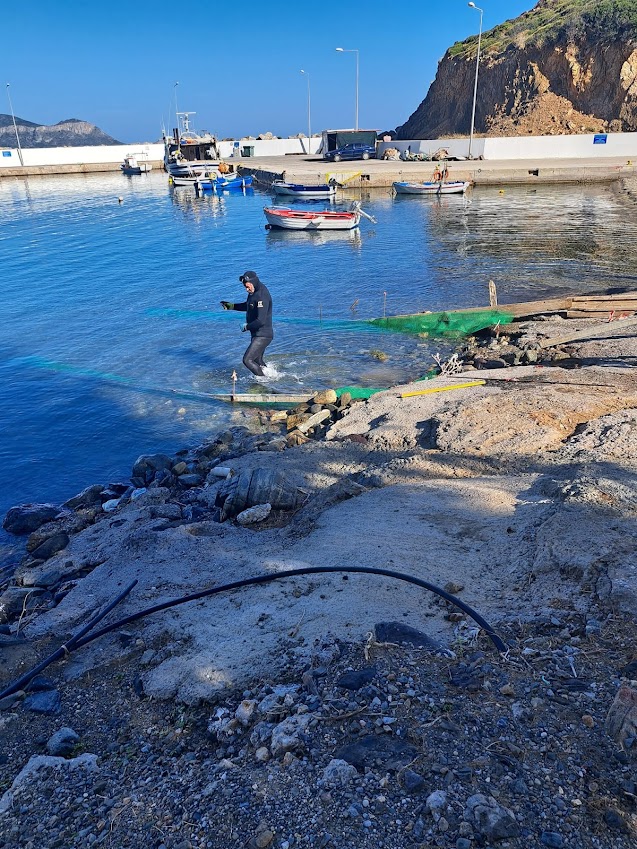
253	356
262	362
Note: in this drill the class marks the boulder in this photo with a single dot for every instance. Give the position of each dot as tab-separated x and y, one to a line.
26	518
147	466
491	820
89	497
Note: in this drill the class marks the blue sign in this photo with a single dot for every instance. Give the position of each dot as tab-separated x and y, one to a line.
6	153
600	139
236	144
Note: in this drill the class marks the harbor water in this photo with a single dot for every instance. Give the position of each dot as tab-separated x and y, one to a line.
112	325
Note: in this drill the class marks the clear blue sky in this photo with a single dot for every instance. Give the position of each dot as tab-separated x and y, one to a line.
115	64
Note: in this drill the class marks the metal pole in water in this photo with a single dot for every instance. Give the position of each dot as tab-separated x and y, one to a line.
384	304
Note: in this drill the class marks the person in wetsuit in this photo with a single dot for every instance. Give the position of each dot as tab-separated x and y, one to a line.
258	309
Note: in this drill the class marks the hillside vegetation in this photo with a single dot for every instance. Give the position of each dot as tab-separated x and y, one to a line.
555	20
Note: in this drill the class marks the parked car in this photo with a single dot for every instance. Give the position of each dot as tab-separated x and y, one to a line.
353	150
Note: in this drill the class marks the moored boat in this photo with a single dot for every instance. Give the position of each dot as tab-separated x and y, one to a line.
298	190
187	152
305	219
135	164
429	187
222	182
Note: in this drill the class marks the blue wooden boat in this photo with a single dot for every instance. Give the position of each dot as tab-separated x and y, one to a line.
298	190
220	183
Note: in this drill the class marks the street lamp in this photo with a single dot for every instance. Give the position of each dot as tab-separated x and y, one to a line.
475	84
15	127
343	50
309	128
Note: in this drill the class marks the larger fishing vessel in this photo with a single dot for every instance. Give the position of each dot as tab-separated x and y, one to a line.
188	152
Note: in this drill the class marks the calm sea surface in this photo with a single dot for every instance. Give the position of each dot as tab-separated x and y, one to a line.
106	308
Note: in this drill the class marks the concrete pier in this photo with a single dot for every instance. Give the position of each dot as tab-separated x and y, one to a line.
375	173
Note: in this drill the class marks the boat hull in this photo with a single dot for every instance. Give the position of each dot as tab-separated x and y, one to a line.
288	219
223	184
296	190
430	188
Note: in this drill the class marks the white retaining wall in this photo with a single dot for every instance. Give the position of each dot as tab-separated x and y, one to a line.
602	145
41	156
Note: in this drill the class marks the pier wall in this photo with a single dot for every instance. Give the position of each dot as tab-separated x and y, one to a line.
590	145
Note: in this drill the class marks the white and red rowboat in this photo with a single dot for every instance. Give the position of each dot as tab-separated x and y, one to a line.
305	219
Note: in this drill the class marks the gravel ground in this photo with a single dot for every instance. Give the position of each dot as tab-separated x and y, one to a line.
471	750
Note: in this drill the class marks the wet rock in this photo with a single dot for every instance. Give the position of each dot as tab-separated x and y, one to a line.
62	743
47	702
491	820
89	497
26	518
357	678
147	466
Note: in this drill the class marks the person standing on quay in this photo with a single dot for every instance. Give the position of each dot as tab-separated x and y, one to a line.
258	309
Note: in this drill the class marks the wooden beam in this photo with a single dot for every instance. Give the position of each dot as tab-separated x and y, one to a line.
595	331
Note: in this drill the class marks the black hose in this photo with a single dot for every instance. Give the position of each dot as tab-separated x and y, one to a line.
69	646
264	579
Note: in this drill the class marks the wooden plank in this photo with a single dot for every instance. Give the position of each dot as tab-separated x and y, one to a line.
600	314
527	308
595	331
628	296
253	398
604	306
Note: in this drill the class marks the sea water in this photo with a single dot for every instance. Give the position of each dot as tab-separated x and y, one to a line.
110	314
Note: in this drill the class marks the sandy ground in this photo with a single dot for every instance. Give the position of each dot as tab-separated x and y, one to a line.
523	492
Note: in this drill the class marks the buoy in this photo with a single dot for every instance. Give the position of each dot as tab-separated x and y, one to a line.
501	192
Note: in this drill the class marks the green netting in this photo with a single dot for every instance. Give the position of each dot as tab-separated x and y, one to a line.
452	324
357	391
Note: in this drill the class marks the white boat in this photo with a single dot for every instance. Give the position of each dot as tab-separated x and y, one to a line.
135	164
442	187
191	179
188	153
298	190
309	220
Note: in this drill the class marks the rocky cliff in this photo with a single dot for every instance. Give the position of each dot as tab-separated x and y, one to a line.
566	66
69	133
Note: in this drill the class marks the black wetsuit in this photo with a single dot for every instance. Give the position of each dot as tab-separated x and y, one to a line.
258	309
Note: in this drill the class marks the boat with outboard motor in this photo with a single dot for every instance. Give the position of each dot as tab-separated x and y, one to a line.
309	220
222	182
298	190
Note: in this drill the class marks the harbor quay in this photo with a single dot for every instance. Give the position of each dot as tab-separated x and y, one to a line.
378	174
375	173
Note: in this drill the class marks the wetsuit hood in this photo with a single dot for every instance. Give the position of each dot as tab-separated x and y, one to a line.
250	277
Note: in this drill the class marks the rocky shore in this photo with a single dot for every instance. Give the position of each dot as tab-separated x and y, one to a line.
342	709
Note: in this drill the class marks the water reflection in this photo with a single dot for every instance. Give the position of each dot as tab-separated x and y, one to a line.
277	238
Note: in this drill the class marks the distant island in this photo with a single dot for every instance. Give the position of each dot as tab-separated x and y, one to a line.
69	133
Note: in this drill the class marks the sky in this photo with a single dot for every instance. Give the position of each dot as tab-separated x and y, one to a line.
124	66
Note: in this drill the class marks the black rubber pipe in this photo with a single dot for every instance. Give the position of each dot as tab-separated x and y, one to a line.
261	579
69	646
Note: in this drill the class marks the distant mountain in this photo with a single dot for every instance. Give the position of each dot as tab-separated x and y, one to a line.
564	67
69	133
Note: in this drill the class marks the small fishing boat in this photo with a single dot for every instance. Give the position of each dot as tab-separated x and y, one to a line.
429	187
133	164
222	183
305	219
191	179
298	190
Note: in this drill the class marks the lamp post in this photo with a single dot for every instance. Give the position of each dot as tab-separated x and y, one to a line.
309	128
475	84
15	127
343	50
176	110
